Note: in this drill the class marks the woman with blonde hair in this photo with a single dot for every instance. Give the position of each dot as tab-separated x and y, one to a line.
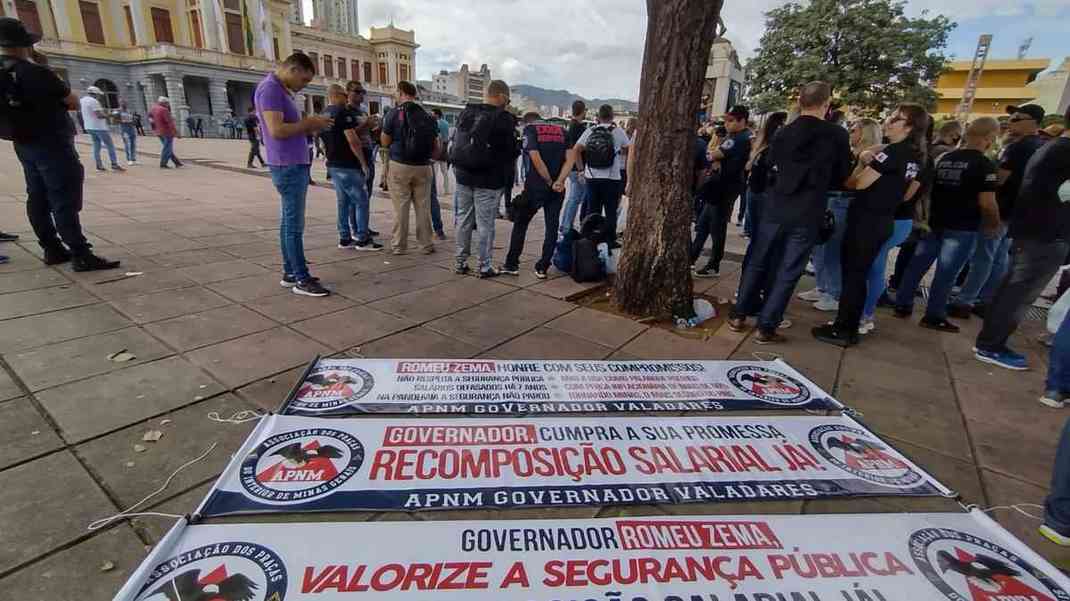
864	134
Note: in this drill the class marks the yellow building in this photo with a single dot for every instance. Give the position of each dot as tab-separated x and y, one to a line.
205	55
1003	82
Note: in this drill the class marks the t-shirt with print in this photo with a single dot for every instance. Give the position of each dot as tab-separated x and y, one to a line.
339	154
960	178
898	164
620	140
905	210
549	141
1014	159
92	122
1041	215
736	151
272	96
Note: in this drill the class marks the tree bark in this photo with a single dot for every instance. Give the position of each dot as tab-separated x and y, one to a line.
654	271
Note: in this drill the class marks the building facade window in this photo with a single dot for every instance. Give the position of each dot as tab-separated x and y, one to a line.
384	74
111	93
94	28
341	68
235	33
367	72
161	25
328	66
354	70
27	13
195	27
130	25
403	73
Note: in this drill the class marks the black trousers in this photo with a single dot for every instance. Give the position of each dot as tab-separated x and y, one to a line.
54	177
866	234
603	198
550	202
1033	264
713	223
254	152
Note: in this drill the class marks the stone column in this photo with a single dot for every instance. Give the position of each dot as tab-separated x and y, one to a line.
177	93
184	36
217	95
285	41
65	12
118	23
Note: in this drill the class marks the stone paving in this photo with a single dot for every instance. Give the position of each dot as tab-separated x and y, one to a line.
212	331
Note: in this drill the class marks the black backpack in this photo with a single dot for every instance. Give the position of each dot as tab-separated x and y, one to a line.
586	264
600	151
12	109
471	149
418	134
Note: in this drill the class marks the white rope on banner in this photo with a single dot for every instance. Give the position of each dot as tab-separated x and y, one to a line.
1016	507
239	417
98	524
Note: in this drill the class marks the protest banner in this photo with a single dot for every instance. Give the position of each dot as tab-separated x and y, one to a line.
485	387
293	464
872	557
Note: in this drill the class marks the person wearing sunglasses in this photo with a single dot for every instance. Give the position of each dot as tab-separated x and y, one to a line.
990	260
883	180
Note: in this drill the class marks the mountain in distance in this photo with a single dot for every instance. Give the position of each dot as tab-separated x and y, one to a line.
526	95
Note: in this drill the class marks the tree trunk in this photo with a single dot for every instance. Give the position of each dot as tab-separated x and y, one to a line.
654	272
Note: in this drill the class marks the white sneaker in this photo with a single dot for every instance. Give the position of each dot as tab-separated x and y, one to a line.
811	296
131	162
866	326
827	303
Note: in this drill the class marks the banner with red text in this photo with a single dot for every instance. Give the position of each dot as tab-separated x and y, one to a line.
488	387
308	464
873	557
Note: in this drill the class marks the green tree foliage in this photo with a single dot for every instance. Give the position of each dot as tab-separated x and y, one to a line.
869	50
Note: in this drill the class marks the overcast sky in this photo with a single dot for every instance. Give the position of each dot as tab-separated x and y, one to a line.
595	47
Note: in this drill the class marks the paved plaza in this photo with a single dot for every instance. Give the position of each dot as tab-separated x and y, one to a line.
212	331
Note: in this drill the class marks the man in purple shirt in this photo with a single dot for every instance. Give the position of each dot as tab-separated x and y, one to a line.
287	157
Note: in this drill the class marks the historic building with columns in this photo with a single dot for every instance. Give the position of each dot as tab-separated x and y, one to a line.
207	55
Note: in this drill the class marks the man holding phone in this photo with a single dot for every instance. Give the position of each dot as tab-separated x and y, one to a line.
288	160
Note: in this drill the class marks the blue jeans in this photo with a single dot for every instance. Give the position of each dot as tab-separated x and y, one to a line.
1059	361
1057	505
352	193
951	249
167	152
776	260
436	210
987	269
875	282
577	193
102	137
129	141
755	200
292	183
827	264
476	206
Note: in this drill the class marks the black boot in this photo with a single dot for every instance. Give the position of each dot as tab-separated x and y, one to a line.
835	335
91	262
55	256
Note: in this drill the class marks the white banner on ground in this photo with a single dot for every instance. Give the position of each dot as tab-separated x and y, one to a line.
873	557
355	386
309	464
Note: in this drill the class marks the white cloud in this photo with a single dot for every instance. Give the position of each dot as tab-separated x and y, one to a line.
595	47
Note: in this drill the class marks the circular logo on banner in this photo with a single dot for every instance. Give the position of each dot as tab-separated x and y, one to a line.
225	571
965	567
330	387
769	385
299	466
859	453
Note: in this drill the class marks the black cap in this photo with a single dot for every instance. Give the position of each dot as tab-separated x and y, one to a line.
1033	110
13	34
739	112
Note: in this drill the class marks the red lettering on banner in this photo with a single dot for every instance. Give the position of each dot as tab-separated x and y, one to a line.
446	367
396	576
465	463
639	534
698	459
450	436
517	574
835	565
646	570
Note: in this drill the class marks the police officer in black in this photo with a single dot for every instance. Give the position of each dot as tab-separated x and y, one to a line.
34	116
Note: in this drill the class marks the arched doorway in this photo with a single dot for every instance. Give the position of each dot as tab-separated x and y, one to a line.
111	93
